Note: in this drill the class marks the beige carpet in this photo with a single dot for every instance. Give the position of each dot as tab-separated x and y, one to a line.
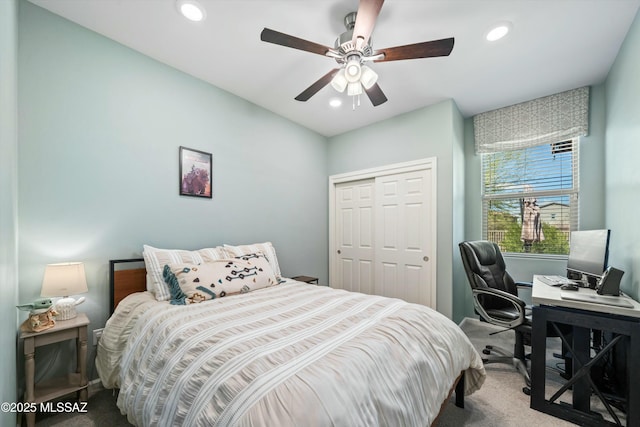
500	401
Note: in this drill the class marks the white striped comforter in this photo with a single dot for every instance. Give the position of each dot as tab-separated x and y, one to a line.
289	355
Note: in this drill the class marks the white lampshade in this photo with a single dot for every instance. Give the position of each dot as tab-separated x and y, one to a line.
62	280
369	77
339	81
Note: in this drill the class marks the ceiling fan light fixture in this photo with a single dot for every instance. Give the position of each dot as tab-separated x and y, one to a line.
192	10
368	78
354	89
353	70
339	81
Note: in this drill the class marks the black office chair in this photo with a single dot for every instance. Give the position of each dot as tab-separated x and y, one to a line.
495	299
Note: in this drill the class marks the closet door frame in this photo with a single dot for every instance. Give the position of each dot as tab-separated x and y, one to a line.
396	168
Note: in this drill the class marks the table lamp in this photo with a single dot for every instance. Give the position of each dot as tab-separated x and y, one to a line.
62	280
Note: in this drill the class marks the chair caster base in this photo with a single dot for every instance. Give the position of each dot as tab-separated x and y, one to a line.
526	390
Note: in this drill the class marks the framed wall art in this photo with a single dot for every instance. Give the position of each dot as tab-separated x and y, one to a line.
195	173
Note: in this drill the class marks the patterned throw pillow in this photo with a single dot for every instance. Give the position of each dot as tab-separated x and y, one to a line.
189	283
266	248
155	259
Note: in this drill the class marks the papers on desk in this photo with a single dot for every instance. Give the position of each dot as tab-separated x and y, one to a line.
597	299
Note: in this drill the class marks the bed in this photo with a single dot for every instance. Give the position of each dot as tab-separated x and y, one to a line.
288	354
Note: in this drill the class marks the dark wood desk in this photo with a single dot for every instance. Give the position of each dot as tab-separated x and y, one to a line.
624	323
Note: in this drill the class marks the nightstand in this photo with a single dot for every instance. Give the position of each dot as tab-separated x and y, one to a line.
53	388
306	279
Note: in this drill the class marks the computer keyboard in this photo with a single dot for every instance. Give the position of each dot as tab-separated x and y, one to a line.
556	280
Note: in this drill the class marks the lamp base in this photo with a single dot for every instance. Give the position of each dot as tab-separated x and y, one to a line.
66	308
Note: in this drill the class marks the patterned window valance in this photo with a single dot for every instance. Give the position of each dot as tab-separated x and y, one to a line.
554	118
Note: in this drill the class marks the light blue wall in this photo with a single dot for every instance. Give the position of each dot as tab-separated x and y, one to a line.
459	286
592	194
623	160
100	126
429	132
8	205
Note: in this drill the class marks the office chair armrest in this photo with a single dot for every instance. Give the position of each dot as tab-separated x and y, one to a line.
524	293
524	285
517	303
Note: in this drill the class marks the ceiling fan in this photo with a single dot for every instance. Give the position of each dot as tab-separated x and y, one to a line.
353	49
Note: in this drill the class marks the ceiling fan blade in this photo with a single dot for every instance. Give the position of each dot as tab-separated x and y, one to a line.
430	49
368	12
276	37
314	88
376	96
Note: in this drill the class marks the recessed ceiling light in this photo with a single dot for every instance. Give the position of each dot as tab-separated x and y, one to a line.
192	10
498	31
335	102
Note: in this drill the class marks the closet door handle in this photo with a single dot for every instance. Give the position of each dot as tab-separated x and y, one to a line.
425	258
339	251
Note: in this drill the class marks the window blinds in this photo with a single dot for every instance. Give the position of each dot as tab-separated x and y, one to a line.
545	170
546	120
546	176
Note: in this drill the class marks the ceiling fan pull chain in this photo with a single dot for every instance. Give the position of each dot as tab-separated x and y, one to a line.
355	104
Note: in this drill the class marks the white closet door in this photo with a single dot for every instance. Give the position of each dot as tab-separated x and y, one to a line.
354	235
403	237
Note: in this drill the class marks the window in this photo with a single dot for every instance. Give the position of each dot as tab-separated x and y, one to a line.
530	197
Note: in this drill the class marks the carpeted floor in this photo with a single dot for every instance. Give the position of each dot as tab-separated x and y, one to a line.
499	403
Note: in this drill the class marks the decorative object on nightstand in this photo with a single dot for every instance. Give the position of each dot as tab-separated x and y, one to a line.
41	315
54	388
306	279
37	306
62	280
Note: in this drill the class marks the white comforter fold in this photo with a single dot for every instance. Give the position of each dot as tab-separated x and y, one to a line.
288	355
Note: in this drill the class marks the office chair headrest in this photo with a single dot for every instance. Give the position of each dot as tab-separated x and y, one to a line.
485	252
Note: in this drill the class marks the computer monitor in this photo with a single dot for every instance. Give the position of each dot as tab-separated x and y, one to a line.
588	255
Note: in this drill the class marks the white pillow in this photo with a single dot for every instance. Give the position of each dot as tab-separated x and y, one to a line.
190	284
266	248
155	259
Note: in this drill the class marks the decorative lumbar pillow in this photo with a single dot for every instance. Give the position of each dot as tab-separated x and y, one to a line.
189	283
266	248
155	259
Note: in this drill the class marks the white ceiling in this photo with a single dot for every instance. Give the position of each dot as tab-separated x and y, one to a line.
555	45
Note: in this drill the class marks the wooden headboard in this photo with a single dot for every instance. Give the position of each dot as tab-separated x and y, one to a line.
125	281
